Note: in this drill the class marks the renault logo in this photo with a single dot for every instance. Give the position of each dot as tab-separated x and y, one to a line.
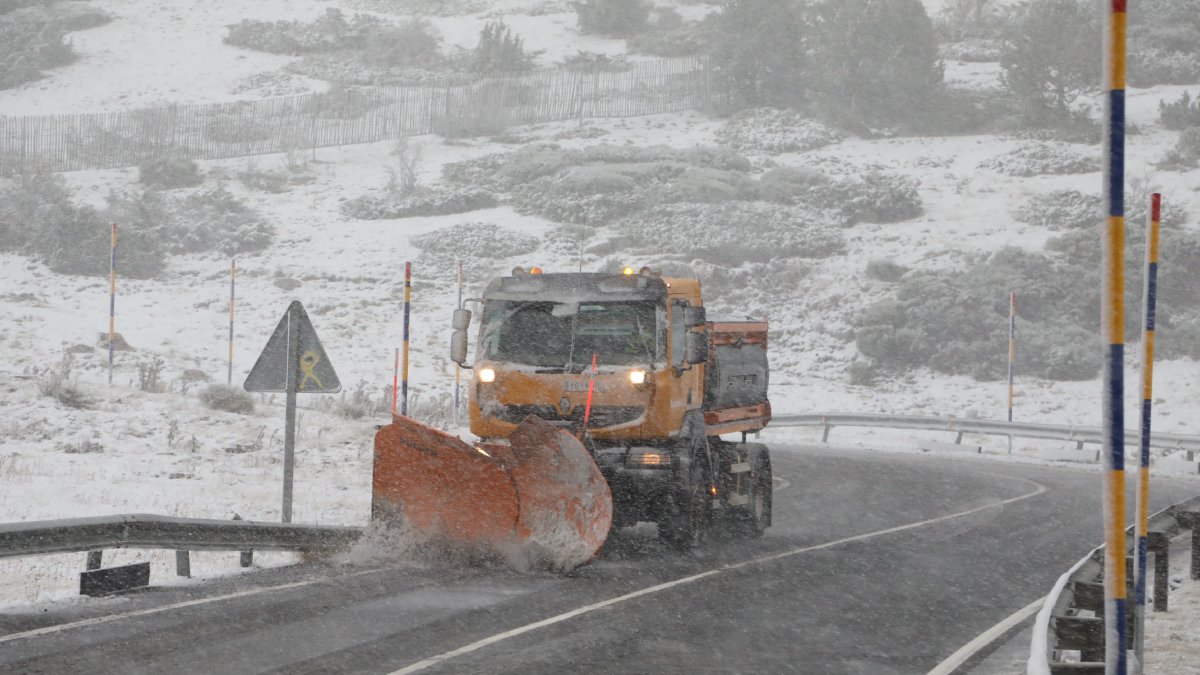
564	405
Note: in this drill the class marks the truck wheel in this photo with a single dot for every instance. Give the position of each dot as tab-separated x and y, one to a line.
685	524
754	518
688	515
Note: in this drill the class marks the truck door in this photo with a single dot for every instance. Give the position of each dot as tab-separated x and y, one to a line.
686	392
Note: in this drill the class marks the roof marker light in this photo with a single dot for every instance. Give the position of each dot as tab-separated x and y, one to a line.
627	271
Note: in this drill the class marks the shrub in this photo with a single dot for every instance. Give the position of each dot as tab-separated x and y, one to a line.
58	385
262	180
27	204
973	51
227	399
677	40
760	54
869	195
732	233
1180	114
216	220
1150	66
619	18
886	270
773	131
413	44
1051	56
478	245
328	32
1186	152
1060	210
170	172
874	63
956	322
1041	159
966	20
418	202
28	46
500	51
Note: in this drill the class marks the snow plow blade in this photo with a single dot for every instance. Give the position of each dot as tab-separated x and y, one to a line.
540	495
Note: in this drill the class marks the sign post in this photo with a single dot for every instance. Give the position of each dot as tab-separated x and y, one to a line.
293	362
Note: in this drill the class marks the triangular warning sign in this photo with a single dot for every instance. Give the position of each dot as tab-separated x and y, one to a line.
307	364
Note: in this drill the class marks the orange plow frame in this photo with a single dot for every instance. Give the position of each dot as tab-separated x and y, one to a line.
541	491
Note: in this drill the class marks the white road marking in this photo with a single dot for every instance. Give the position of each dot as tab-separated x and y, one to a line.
500	637
986	638
62	627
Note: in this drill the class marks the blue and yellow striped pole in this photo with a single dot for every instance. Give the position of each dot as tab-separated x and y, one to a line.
232	283
112	300
1113	323
1012	355
407	304
1149	297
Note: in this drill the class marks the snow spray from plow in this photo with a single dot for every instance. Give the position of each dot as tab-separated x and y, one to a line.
540	493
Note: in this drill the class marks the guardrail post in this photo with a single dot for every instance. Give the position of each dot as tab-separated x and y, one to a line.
958	439
825	435
183	564
246	558
1159	543
94	560
1191	519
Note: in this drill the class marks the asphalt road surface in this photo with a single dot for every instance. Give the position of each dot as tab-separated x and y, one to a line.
877	563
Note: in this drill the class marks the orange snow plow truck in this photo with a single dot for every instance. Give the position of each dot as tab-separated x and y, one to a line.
599	401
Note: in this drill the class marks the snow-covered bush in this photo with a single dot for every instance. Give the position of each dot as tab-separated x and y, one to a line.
773	131
29	45
1151	66
871	195
882	269
1042	159
57	384
421	201
227	399
1060	210
1181	113
169	171
477	244
956	321
732	233
619	18
263	180
681	40
325	33
1186	152
973	50
216	220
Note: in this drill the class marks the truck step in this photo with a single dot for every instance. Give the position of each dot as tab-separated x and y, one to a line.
739	467
737	500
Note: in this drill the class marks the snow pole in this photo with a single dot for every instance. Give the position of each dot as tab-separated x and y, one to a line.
457	367
1012	355
232	284
407	306
587	409
1149	297
396	381
112	300
1113	328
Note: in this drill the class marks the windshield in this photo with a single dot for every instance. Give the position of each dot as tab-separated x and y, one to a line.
563	336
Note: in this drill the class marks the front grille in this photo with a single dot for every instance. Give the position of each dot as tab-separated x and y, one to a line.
602	415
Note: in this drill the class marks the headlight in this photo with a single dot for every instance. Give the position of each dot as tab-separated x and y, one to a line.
487	375
637	376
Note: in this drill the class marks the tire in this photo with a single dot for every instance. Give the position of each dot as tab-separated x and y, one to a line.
687	518
753	519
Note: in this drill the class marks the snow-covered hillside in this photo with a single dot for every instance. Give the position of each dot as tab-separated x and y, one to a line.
134	451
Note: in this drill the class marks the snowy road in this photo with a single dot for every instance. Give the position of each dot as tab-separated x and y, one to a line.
862	573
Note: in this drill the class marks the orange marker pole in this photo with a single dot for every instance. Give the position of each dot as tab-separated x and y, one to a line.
112	300
587	409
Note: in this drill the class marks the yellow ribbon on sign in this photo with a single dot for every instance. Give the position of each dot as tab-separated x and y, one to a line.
309	361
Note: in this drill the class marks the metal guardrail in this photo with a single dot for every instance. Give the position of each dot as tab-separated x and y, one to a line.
1060	626
1059	432
165	532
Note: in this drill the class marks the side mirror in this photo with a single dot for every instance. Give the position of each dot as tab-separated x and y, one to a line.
461	320
694	317
696	348
458	346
